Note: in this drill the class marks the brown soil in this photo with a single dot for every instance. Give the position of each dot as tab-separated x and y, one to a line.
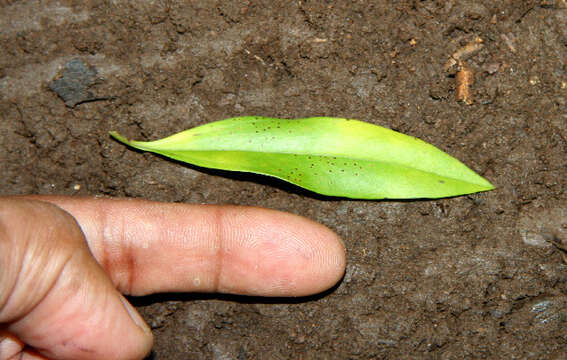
468	277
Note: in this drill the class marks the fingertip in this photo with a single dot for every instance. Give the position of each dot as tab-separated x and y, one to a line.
281	255
144	337
10	346
336	258
325	265
115	330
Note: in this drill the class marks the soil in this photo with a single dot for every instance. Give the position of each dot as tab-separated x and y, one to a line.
468	277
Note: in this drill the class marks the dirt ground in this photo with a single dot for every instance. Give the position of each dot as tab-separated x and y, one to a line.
468	277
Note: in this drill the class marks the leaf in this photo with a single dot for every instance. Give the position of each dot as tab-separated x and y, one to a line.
330	156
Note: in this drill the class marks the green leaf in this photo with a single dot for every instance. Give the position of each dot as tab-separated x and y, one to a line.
330	156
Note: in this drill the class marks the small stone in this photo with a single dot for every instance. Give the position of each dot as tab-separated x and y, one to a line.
72	83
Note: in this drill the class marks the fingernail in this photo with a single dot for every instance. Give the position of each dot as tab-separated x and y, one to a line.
10	346
134	315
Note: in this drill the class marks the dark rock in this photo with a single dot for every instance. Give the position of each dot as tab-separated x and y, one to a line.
72	83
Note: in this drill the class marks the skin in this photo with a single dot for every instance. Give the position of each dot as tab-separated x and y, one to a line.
65	263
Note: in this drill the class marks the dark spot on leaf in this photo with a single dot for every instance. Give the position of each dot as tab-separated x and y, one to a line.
441	182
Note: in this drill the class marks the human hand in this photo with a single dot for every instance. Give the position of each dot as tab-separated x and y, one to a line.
64	262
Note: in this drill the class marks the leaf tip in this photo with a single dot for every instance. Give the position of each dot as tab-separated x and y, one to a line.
118	137
487	185
490	187
482	186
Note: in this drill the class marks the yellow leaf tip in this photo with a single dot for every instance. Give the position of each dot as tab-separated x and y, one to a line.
486	187
489	185
118	137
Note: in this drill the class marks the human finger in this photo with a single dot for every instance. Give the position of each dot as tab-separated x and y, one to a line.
54	296
147	247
